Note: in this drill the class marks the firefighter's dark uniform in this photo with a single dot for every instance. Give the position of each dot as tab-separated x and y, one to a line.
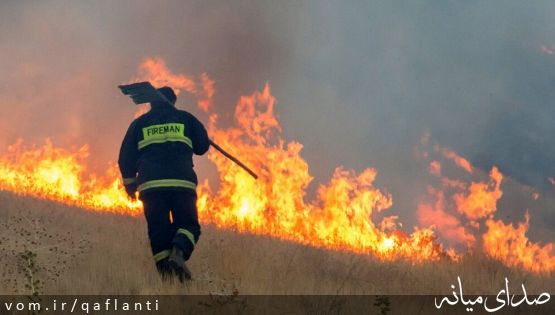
156	159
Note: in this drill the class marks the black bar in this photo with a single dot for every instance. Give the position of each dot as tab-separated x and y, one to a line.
231	157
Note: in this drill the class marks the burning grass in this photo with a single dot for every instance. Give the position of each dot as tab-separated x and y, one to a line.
116	260
458	213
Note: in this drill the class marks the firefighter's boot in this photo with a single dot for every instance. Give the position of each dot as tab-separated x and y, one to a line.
177	262
165	270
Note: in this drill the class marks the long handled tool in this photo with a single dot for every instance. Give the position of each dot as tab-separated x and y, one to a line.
144	92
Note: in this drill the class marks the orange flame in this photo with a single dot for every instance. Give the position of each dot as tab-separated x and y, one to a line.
510	245
481	201
459	160
474	203
57	174
448	225
435	169
341	217
156	71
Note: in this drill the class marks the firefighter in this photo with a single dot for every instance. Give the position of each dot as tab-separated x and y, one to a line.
156	160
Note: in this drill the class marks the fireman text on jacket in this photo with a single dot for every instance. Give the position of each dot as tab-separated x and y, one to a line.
164	133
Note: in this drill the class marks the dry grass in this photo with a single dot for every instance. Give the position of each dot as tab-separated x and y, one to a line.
83	252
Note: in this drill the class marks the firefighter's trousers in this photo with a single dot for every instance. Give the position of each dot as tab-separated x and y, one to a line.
182	229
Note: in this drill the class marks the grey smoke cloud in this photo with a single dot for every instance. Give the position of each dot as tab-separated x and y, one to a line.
357	82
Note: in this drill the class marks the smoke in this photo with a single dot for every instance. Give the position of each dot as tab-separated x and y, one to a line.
357	83
62	60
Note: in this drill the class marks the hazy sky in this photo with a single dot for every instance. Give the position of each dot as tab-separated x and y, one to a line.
357	82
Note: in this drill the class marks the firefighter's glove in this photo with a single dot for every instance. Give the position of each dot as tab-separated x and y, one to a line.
131	189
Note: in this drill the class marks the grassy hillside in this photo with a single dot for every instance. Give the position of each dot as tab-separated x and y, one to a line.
82	252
